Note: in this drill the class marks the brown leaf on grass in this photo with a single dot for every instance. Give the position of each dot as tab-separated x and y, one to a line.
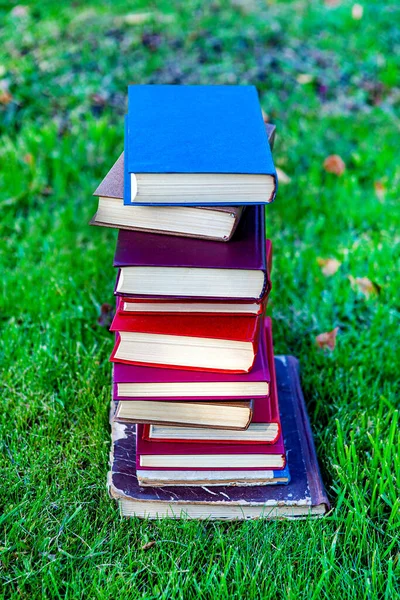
334	164
327	339
380	190
28	159
5	97
282	177
329	266
364	285
106	315
148	545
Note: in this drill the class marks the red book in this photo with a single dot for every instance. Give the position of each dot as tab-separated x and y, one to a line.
209	343
265	424
210	457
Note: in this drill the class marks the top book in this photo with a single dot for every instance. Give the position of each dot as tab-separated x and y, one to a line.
196	145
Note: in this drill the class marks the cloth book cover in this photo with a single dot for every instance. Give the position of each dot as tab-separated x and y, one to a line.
128	373
195	129
264	410
260	305
112	185
235	328
303	496
248	250
156	448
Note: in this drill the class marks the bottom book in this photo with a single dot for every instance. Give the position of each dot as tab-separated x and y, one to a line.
304	495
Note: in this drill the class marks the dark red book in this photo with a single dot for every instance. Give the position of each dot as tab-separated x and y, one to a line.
143	305
155	265
210	457
210	343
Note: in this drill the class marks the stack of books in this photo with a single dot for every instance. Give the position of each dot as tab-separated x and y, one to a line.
206	423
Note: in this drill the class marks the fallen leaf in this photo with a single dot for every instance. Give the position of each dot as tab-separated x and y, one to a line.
304	78
148	545
106	315
20	11
365	286
380	190
137	18
28	159
5	97
327	339
329	266
334	164
47	191
357	11
282	177
332	3
98	99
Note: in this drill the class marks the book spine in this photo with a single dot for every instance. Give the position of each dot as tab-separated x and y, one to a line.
317	491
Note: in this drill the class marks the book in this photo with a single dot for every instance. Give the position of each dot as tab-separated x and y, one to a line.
197	455
155	265
128	305
203	145
214	343
229	415
221	478
137	383
209	222
264	427
161	305
303	497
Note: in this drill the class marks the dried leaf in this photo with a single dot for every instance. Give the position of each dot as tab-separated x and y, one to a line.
380	190
365	286
329	266
106	315
148	545
5	97
334	164
327	339
137	18
304	78
357	11
28	159
282	177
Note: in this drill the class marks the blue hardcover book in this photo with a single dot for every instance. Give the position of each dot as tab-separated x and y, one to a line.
196	145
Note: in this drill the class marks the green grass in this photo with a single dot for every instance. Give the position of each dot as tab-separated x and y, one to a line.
66	67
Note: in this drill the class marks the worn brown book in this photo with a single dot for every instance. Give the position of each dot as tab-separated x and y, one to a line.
234	494
208	222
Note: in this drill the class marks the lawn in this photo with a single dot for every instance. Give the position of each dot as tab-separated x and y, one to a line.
330	82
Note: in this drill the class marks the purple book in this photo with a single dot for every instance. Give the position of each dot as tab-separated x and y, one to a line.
131	377
243	262
304	496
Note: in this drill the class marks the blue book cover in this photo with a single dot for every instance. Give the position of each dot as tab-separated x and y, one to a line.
195	129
